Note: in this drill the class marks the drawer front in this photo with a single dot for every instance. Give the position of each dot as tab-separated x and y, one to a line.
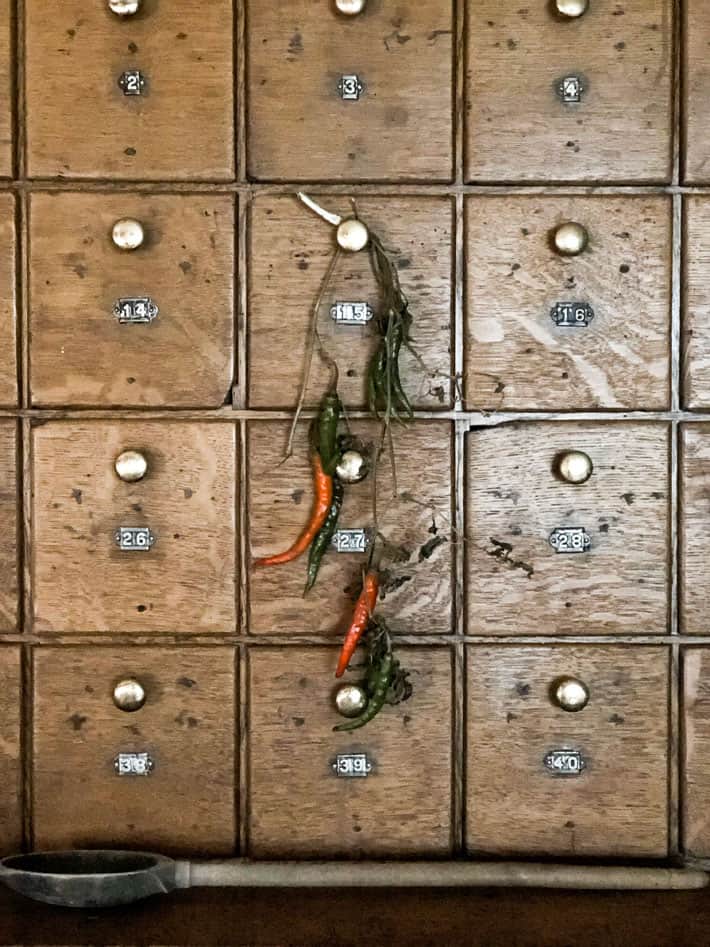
6	87
696	92
10	751
552	98
300	807
551	331
696	751
160	776
416	579
9	525
696	304
290	251
334	97
694	533
544	780
94	340
566	557
90	576
180	126
8	302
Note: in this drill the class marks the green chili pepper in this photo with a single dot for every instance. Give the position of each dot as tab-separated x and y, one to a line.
323	538
328	418
378	696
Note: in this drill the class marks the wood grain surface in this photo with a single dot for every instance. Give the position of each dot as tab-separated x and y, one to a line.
80	354
618	806
696	303
693	528
79	122
6	87
9	526
290	250
416	568
696	91
299	127
695	724
517	583
299	807
516	357
186	725
10	751
8	303
519	129
82	581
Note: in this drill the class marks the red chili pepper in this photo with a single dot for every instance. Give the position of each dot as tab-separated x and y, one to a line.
323	485
364	607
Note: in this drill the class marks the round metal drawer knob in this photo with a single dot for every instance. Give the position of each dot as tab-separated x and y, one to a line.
350	700
352	235
570	694
571	239
352	467
350	7
129	695
572	8
574	466
131	466
124	7
128	234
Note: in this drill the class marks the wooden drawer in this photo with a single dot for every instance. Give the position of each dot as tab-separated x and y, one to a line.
290	250
614	801
9	521
415	590
90	754
519	126
696	92
525	574
8	302
300	807
7	12
80	123
82	579
525	347
10	751
82	352
300	125
694	532
696	303
696	751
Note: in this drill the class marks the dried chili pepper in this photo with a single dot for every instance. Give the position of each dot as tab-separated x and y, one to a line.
364	607
321	543
327	431
378	695
323	485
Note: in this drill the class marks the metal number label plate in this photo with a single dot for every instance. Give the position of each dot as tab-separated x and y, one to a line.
570	89
132	82
564	762
570	539
135	310
134	538
351	765
350	88
134	764
350	540
351	314
571	314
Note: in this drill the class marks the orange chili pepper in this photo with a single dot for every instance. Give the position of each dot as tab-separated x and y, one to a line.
364	607
323	485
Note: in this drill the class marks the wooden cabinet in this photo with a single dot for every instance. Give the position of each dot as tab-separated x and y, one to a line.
149	326
154	555
543	780
696	303
581	98
158	777
556	331
8	302
9	516
416	568
142	97
566	557
402	806
693	527
10	750
289	253
695	710
6	88
696	89
334	97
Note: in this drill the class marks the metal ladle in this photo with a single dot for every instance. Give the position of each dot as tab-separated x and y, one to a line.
92	879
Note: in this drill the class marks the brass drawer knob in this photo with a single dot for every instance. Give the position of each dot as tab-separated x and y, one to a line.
352	235
350	7
571	694
350	700
124	7
131	466
129	695
128	234
572	8
570	238
574	466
